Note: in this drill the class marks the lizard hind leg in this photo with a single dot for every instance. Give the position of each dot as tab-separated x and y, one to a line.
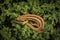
34	25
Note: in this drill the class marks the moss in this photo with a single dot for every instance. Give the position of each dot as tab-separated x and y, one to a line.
48	10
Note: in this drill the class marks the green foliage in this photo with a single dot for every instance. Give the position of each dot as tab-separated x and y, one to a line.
49	10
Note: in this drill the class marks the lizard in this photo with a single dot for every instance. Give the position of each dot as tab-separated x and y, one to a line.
39	21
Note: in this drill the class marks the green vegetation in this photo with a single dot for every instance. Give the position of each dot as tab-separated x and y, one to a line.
49	10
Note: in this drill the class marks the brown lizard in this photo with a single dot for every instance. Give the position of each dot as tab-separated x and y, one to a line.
39	21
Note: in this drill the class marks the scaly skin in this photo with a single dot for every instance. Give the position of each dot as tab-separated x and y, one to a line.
39	21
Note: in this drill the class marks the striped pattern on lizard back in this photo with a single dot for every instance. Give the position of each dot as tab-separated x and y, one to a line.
39	21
